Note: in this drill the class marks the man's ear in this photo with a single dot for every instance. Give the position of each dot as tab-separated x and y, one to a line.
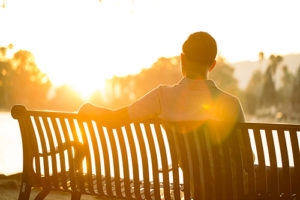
182	60
213	66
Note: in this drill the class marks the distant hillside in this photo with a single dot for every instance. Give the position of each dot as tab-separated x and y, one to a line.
244	70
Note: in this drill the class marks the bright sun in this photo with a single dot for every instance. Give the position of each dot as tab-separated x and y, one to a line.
87	49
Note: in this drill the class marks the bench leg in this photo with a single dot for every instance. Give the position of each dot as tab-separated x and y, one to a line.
75	196
24	191
42	194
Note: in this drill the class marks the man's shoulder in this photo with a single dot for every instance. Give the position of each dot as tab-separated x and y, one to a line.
164	88
225	95
233	102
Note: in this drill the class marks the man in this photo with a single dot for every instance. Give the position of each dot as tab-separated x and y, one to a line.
193	98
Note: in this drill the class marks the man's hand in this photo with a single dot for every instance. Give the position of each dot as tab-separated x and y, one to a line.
106	115
93	111
86	109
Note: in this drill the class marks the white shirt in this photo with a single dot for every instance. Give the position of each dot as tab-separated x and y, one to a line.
188	100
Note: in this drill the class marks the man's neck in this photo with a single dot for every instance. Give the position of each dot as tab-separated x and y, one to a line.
196	77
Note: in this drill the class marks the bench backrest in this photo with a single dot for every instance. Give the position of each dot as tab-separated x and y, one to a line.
66	151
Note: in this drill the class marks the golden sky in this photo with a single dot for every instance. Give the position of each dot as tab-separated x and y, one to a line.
85	41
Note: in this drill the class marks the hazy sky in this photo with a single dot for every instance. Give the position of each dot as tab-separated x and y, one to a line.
95	40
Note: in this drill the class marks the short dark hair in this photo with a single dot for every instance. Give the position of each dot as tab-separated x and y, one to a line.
200	47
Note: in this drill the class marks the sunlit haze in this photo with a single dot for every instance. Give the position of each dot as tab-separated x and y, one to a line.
82	43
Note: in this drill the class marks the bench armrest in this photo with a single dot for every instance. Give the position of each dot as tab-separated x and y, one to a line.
79	153
78	148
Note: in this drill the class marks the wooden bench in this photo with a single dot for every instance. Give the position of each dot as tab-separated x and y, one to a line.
66	152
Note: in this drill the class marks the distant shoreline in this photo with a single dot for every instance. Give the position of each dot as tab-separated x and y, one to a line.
3	110
10	182
16	176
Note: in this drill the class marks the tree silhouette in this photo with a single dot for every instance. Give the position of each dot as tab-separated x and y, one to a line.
269	95
295	98
253	92
29	85
66	99
261	56
21	81
5	71
286	88
223	75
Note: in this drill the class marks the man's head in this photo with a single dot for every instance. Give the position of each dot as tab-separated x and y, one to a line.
198	55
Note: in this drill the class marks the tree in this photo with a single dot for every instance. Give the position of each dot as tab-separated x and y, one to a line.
286	87
30	86
5	71
21	81
96	98
261	56
269	95
223	75
66	99
253	92
295	97
125	90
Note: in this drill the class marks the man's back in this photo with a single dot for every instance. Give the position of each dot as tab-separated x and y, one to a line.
188	100
198	100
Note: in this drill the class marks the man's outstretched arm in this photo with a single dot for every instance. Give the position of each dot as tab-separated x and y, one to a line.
146	107
106	115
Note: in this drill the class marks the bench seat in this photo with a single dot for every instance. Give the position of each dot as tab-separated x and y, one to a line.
58	185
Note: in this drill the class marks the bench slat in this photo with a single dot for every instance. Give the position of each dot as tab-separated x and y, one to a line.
61	153
261	168
116	164
135	164
284	177
52	149
218	165
69	151
153	160
44	150
196	178
124	152
227	163
272	179
248	160
78	174
236	149
96	156
106	159
35	148
199	155
144	156
184	163
89	179
164	160
296	157
173	152
207	170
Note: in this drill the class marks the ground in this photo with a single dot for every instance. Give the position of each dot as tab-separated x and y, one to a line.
10	186
10	194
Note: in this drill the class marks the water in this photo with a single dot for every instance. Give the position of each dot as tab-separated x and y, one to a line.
11	158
